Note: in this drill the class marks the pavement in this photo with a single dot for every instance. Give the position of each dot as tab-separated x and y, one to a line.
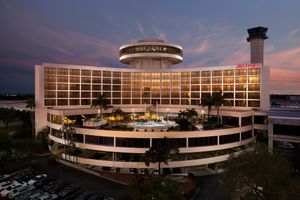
86	181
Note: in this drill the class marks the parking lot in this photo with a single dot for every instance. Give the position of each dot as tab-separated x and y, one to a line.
47	179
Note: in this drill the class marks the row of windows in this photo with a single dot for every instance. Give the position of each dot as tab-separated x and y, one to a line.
168	81
143	75
85	94
178	142
74	102
192	88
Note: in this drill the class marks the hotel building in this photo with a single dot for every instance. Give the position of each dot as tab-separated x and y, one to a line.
64	93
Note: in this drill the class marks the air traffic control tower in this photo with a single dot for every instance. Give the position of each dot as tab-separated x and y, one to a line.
256	38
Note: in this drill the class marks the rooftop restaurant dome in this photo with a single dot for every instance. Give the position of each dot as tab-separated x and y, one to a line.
151	54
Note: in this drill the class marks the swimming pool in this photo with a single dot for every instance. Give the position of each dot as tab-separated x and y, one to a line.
151	124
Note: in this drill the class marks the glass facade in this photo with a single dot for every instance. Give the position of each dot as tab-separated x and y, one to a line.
68	86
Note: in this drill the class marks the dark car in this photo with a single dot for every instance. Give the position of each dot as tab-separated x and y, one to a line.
68	190
49	185
95	197
83	195
40	183
133	170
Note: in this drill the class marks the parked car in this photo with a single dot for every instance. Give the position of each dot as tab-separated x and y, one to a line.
25	175
285	145
83	195
95	197
133	170
49	185
36	178
19	191
10	188
4	184
43	181
36	195
144	171
25	195
4	177
55	189
68	190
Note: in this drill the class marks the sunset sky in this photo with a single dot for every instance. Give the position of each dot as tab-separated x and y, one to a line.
90	32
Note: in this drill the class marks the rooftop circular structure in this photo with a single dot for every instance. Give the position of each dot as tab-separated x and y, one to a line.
151	53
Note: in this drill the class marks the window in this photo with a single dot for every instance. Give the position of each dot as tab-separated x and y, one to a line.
133	142
246	121
85	87
254	71
74	87
50	94
253	103
260	119
205	73
85	79
203	141
75	72
246	135
217	73
49	70
96	73
62	86
99	140
85	72
280	129
50	102
228	72
225	139
62	102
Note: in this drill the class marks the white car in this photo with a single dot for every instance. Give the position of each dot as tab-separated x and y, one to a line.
36	178
10	188
19	190
4	184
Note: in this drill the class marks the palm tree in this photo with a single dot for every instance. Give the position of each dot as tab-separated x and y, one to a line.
209	102
218	100
160	152
101	102
117	112
30	103
68	133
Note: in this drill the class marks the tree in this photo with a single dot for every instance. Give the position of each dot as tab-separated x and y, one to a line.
7	115
68	132
160	151
207	102
101	102
186	119
259	174
30	103
117	112
158	188
218	100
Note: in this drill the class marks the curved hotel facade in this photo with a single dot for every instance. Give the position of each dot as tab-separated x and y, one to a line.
64	94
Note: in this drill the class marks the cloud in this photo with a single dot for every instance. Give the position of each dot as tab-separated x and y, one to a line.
201	48
293	35
160	34
140	28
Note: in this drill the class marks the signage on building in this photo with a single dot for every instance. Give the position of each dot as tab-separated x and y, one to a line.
250	65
